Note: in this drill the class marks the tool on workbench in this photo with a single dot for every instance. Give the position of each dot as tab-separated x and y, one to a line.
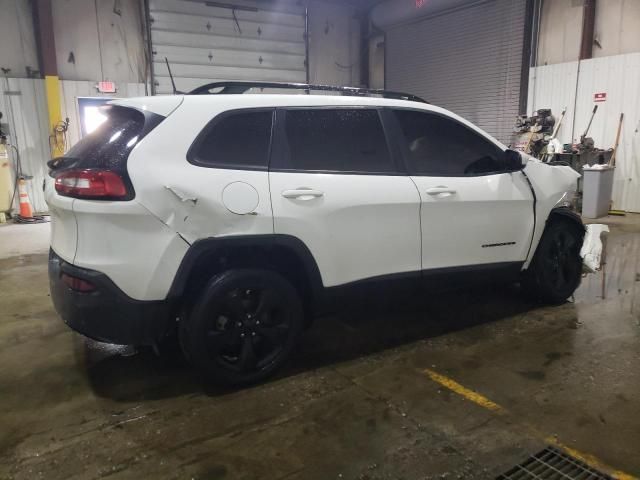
555	130
612	160
553	145
587	143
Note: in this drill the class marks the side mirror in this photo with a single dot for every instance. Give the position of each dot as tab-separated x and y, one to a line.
513	161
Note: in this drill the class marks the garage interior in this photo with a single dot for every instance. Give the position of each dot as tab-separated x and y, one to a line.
474	384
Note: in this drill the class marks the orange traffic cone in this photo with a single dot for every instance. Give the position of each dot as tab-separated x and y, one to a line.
25	205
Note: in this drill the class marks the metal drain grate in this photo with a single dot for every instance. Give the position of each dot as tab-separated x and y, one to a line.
552	464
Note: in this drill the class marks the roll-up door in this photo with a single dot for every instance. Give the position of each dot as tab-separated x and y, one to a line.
209	41
468	60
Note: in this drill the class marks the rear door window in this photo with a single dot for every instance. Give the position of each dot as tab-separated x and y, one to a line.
235	140
347	140
436	145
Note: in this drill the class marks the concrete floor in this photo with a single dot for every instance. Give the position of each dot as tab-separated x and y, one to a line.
355	402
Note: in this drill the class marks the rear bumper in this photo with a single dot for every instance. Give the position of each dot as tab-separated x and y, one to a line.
106	314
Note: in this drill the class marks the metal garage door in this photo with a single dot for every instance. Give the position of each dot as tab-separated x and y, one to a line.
468	61
240	40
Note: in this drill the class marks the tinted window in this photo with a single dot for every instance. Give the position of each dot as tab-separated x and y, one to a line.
110	144
438	145
235	140
342	140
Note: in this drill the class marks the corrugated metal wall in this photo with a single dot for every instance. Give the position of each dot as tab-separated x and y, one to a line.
23	103
616	29
208	43
99	40
468	61
334	44
554	86
17	42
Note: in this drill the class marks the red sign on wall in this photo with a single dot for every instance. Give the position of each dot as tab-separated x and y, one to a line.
106	87
600	97
420	3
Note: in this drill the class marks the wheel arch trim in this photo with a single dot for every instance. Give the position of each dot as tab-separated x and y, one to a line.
207	246
568	214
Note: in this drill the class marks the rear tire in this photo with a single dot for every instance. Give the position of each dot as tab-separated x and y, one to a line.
243	326
556	269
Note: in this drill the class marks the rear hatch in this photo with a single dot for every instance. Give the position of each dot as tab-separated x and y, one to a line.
95	168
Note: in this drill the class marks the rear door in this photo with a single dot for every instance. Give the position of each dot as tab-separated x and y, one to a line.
473	211
335	186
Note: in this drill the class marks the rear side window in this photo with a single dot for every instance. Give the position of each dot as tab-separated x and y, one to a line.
235	140
336	140
108	146
440	146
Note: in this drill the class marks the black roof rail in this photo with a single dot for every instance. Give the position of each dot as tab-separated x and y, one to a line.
241	87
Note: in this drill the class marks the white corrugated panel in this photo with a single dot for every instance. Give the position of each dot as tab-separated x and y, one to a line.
619	77
468	61
23	103
206	43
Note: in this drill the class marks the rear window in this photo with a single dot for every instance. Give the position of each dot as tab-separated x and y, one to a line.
109	145
235	140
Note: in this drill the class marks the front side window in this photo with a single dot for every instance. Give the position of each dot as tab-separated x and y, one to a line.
349	140
440	146
236	140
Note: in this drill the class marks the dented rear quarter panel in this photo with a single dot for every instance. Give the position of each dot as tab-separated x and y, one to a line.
187	198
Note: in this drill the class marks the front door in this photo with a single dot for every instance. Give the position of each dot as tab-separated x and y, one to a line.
335	186
474	212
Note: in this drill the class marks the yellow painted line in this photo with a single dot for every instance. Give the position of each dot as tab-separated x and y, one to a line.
590	460
470	395
484	402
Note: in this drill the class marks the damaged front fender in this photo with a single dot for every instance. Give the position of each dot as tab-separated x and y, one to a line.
552	184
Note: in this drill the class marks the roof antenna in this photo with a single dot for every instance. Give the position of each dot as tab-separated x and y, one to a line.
173	83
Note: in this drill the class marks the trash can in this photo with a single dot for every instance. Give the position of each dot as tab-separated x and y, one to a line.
597	185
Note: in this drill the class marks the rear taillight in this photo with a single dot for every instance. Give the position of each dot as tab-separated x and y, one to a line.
91	184
78	284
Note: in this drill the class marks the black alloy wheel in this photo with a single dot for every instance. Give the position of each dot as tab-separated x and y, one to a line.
249	330
243	326
556	269
560	268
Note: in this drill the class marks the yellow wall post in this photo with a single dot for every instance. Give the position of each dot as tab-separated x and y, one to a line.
52	89
45	38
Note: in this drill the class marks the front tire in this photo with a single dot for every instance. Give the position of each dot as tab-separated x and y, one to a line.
243	326
556	269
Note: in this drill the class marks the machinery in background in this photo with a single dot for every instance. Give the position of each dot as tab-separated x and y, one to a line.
533	133
537	136
6	182
13	183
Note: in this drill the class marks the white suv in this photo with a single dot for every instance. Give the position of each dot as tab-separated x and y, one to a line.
231	219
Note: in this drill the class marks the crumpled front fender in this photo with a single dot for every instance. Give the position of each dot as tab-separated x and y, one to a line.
550	184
